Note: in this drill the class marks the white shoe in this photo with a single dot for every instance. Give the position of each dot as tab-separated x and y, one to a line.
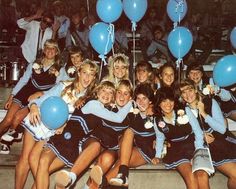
120	180
12	135
63	179
96	174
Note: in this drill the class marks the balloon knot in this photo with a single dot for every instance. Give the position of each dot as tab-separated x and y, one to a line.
103	58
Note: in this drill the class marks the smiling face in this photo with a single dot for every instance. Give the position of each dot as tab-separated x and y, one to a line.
195	76
106	95
86	76
123	95
142	75
76	59
143	102
167	106
119	69
50	52
167	76
189	94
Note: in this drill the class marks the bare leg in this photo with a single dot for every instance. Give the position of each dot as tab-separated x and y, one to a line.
203	179
19	116
7	121
233	116
34	157
86	157
46	158
185	170
126	147
229	169
22	166
105	162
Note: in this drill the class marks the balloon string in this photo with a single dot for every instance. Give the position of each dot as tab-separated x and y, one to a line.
179	5
88	6
103	60
179	63
110	36
134	25
134	54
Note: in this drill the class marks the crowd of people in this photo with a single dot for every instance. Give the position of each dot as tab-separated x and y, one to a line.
118	121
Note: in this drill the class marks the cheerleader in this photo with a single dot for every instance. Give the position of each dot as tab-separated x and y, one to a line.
181	133
39	76
36	133
210	118
137	143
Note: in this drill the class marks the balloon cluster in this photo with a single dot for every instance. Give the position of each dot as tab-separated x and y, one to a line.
101	35
180	39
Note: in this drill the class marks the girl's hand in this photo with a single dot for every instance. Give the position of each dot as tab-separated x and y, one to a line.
201	108
80	102
155	160
209	138
34	116
35	96
60	130
9	102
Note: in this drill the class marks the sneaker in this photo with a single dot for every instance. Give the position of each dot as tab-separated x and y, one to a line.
12	136
96	174
5	149
63	179
120	180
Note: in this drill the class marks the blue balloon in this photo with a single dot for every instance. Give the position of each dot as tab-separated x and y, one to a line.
224	72
135	9
233	37
180	41
109	10
54	112
176	9
101	38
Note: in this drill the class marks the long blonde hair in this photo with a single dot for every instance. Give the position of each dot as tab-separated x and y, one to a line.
111	64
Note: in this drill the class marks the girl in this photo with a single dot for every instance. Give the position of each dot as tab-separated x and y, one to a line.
144	73
210	118
74	61
118	67
167	75
181	133
72	136
39	76
36	131
141	133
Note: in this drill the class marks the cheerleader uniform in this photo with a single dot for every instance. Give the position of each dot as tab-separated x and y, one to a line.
181	138
108	133
68	145
144	134
222	150
32	81
40	131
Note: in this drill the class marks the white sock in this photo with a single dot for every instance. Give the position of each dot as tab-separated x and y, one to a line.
86	186
73	177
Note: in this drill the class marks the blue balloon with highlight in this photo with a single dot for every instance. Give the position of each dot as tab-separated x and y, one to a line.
180	41
224	72
54	112
109	10
135	9
176	9
100	38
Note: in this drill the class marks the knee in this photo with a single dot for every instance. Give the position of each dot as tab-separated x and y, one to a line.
16	121
43	163
7	121
201	174
106	159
